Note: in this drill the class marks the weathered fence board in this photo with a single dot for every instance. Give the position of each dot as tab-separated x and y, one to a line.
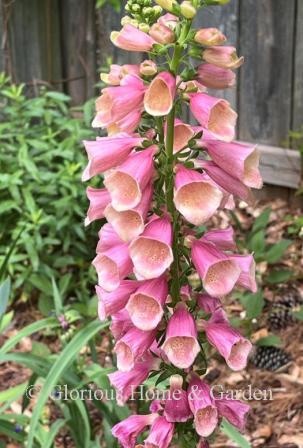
266	78
298	70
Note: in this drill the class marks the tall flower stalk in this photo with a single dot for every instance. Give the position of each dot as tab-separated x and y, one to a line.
162	280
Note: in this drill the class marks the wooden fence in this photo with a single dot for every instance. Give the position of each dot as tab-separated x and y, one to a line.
64	42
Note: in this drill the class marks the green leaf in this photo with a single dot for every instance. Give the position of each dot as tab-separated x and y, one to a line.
234	435
280	276
269	341
262	221
253	304
276	252
58	96
63	361
5	321
298	314
55	428
40	325
257	242
57	298
5	288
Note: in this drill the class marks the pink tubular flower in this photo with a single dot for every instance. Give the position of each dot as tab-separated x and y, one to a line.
181	345
219	272
202	406
225	57
182	134
108	152
159	97
108	238
214	114
176	407
226	181
208	303
128	124
222	238
131	38
118	72
129	429
126	383
160	435
209	36
228	341
110	303
169	20
112	266
98	200
162	34
145	306
196	197
247	277
116	103
151	252
215	77
240	161
132	346
120	324
234	411
130	223
127	182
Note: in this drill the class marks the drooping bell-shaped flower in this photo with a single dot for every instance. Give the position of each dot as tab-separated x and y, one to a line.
128	123
218	271
234	411
108	238
159	96
239	160
215	77
115	103
110	303
160	435
182	134
181	345
148	68
151	252
162	34
126	383
225	57
120	323
99	198
130	223
209	36
196	197
207	303
129	429
131	38
112	266
108	152
226	181
247	277
127	182
229	342
132	346
214	114
222	238
145	305
202	406
118	72
176	408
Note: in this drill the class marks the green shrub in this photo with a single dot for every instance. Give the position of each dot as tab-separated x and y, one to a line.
41	195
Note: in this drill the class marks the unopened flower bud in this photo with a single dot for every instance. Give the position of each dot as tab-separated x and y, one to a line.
209	36
167	4
144	27
194	280
188	10
162	34
125	20
148	68
157	10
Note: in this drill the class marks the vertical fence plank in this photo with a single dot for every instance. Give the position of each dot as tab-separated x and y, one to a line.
225	18
266	40
78	46
298	70
34	44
